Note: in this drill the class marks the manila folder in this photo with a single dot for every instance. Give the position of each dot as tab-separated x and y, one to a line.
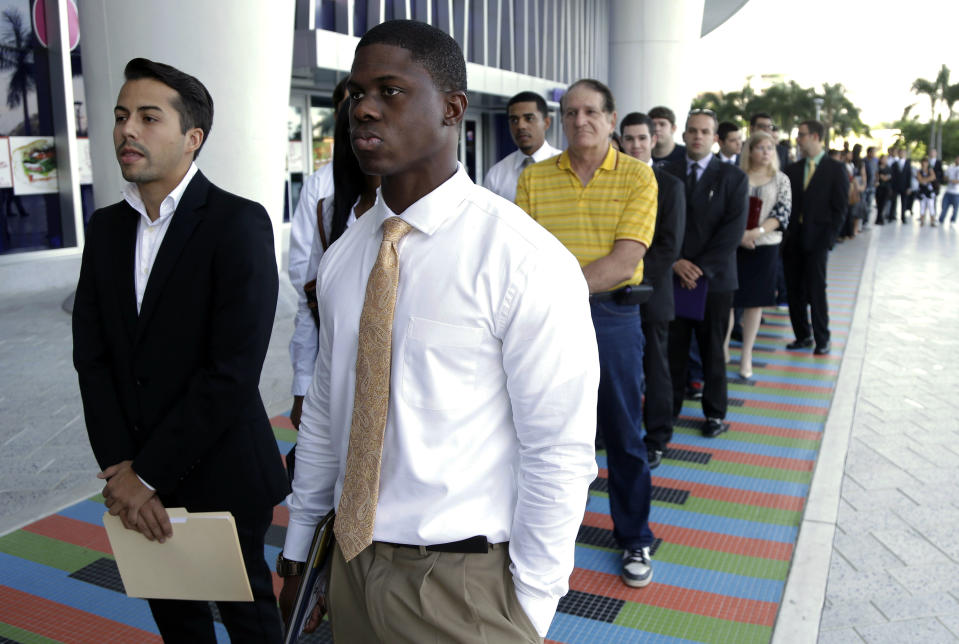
201	562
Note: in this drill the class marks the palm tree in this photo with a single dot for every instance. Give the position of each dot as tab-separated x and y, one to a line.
16	55
787	103
728	106
935	91
839	113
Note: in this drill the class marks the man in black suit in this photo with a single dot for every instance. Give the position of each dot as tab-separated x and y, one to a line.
716	209
730	142
892	162
173	315
903	183
820	189
638	135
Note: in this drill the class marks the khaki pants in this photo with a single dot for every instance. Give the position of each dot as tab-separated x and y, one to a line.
392	594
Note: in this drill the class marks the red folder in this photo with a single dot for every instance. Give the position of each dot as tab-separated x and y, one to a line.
755	208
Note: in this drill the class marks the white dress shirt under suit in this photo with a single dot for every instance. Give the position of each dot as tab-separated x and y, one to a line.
494	378
150	234
503	177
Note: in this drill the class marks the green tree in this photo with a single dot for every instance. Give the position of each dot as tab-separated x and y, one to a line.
838	114
729	106
787	103
935	90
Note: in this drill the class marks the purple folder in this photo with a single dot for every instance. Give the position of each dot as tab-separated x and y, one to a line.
690	303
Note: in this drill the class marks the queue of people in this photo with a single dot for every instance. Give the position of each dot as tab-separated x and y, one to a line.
895	178
457	349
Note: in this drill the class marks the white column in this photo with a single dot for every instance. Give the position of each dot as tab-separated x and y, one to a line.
241	52
653	44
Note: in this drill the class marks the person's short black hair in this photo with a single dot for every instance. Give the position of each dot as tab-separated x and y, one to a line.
609	104
725	128
637	118
193	103
663	112
530	97
758	115
435	50
815	127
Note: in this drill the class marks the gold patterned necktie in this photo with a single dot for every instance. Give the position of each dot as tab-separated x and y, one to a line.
356	512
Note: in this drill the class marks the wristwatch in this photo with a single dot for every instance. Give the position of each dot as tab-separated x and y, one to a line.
288	568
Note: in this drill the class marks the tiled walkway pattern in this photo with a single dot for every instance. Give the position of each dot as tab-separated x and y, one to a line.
726	513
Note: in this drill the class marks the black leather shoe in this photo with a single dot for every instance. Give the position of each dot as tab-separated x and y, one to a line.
822	349
795	345
713	427
655	457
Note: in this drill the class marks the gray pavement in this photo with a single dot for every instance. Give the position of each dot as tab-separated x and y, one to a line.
893	572
45	457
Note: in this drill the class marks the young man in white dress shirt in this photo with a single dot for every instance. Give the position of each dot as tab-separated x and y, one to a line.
487	453
528	123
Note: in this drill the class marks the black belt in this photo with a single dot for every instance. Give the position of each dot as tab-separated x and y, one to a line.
477	544
631	294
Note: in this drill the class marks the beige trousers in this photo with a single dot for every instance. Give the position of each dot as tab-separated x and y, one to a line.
390	594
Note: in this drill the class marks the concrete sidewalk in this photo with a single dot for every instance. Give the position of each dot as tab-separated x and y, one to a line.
894	570
877	558
45	457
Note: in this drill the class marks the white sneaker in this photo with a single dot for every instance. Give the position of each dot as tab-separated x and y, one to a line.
637	568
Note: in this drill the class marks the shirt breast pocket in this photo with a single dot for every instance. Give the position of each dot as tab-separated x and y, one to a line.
439	364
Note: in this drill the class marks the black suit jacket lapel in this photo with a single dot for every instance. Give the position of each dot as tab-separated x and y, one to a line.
707	180
185	219
124	245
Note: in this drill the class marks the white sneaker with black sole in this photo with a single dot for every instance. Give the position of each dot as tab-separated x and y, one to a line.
637	567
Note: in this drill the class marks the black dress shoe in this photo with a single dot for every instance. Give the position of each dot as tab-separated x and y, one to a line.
805	343
655	457
822	349
713	427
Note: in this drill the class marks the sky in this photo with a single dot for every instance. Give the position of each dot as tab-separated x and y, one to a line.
876	48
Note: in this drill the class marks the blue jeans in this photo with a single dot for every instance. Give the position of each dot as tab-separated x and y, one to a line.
619	334
950	199
868	195
695	372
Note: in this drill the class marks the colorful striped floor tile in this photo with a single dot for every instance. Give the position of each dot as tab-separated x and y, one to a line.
726	514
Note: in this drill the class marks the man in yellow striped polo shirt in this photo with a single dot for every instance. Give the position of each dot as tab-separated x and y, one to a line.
602	205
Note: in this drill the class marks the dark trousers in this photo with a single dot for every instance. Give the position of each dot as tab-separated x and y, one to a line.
906	203
695	373
619	335
710	333
893	207
258	621
882	200
806	281
781	290
658	403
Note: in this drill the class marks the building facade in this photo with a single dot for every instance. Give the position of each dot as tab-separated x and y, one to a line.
56	153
